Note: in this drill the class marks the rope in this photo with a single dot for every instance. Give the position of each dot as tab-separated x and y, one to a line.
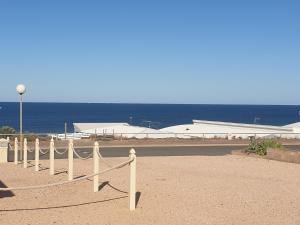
28	149
44	153
60	153
101	157
10	147
83	158
67	182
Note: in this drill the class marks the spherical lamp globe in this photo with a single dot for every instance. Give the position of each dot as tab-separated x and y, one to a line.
21	89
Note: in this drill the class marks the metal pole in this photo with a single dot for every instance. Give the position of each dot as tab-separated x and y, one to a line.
21	127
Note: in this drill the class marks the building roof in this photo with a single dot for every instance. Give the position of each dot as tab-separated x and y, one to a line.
79	127
242	125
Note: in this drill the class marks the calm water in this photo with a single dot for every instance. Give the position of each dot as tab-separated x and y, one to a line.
50	117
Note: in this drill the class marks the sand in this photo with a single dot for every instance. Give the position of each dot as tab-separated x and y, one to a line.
227	190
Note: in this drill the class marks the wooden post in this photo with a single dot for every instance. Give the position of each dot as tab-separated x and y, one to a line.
25	153
70	158
52	156
65	131
16	151
3	150
37	154
96	166
132	182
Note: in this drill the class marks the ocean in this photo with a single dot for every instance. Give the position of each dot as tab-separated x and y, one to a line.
51	117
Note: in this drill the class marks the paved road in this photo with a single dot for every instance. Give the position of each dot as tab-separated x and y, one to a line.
155	151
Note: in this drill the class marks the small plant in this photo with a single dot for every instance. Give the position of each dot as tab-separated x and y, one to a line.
31	137
7	130
253	146
261	147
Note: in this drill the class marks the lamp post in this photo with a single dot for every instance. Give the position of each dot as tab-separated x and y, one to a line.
21	90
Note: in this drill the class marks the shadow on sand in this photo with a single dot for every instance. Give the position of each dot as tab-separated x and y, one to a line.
5	194
62	206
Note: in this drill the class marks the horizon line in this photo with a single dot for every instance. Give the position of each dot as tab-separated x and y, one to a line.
153	103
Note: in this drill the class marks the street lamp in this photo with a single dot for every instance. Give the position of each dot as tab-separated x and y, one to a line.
21	90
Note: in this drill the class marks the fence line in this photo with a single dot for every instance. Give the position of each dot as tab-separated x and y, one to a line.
96	158
44	153
101	157
80	157
120	165
118	134
60	153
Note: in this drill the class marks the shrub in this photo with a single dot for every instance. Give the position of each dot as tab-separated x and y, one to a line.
261	147
7	130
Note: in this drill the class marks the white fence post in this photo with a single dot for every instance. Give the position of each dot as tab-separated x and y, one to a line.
70	158
132	182
3	150
96	166
37	154
52	156
16	149
25	153
8	145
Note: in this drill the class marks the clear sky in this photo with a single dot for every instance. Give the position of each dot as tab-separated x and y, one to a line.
236	52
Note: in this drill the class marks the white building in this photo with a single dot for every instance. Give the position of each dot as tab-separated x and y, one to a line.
214	129
199	128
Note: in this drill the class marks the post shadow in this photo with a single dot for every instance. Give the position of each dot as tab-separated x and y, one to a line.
5	194
137	198
101	186
106	183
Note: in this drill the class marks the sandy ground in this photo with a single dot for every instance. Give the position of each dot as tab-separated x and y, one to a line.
227	190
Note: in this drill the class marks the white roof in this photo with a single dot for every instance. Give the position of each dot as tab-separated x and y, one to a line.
80	127
242	125
293	125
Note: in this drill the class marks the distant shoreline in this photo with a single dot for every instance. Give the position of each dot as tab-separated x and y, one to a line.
153	103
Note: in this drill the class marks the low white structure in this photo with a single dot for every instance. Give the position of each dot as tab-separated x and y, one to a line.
118	130
95	128
214	129
198	129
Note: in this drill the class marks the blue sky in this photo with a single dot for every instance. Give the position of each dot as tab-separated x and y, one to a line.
228	52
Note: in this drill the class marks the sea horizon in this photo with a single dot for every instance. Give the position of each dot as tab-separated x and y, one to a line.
153	103
50	117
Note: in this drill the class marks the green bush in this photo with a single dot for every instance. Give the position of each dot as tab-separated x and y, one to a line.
261	147
7	130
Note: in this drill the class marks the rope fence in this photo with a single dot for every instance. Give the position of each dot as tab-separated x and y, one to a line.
96	155
69	181
60	153
103	160
80	157
44	152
